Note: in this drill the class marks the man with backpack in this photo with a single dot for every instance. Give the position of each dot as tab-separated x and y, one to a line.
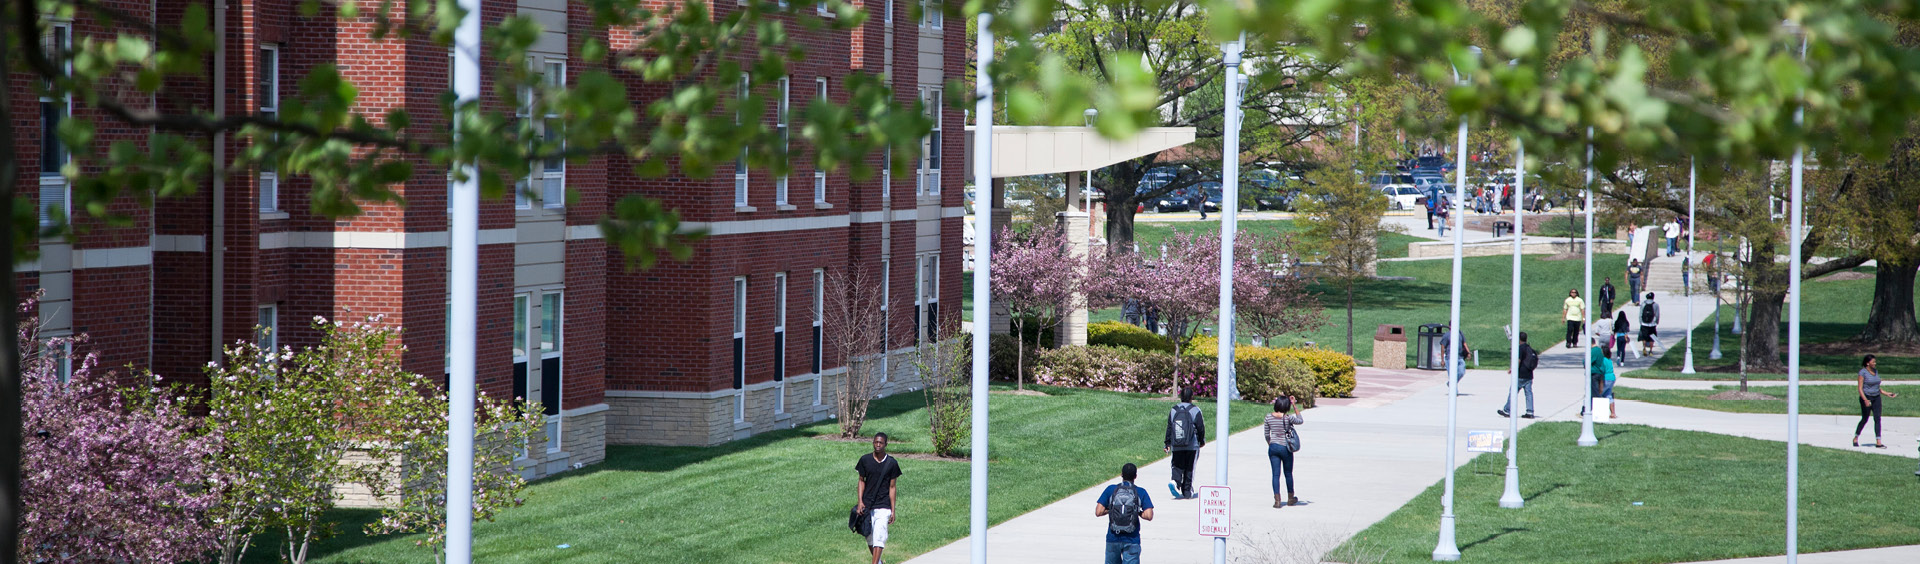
1186	433
877	494
1124	505
1649	325
1529	360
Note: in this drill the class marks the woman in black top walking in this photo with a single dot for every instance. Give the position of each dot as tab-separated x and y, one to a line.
1870	392
1620	329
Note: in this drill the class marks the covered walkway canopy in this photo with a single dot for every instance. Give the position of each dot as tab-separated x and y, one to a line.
1020	150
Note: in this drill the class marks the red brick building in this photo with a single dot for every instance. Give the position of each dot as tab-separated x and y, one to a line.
696	353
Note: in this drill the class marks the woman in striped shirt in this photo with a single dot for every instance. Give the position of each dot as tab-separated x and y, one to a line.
1279	454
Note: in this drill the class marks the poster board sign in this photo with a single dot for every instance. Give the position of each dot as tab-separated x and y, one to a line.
1486	441
1216	511
1602	409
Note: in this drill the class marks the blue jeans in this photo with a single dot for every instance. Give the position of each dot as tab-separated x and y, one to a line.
1525	386
1281	460
1123	553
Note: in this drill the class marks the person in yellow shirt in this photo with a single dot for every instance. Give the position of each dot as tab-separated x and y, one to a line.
1576	314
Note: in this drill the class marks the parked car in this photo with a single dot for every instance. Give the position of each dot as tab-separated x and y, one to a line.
1175	201
1432	164
1402	196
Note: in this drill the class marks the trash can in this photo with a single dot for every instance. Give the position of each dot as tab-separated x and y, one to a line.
1502	228
1431	347
1390	347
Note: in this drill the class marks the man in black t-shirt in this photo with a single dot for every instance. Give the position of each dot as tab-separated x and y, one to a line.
877	473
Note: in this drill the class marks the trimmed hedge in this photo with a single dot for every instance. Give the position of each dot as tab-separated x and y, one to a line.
1263	380
1333	372
1121	334
1132	370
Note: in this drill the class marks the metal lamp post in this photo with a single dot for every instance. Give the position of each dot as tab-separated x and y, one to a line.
1229	224
1692	199
982	261
1511	498
1447	549
463	281
1586	357
1795	227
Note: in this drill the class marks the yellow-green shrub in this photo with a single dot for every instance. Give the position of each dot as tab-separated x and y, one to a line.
1333	371
1119	334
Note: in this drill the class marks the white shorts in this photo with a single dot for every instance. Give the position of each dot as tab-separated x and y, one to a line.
879	537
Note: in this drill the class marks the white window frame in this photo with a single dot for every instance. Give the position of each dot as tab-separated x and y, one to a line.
930	15
782	126
817	351
780	351
740	164
820	8
740	359
932	155
820	175
557	315
886	176
54	188
266	334
270	106
886	319
889	19
62	362
553	172
929	296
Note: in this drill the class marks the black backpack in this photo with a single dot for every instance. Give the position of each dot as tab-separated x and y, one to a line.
1183	426
1123	510
1529	361
1649	313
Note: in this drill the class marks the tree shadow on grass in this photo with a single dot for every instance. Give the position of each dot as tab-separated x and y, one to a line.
1504	531
1544	491
648	458
350	524
1613	433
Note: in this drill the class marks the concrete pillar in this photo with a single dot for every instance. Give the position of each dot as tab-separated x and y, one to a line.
1073	326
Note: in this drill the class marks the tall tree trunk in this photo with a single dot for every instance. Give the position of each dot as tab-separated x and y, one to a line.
1891	319
1762	349
9	338
1020	354
1120	227
1349	317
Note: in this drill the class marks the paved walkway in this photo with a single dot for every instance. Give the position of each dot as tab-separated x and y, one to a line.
1364	457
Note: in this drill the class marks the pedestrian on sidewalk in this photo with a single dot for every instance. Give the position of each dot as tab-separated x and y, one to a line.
1575	310
1686	274
1445	209
1455	359
878	471
1282	443
1124	506
1606	297
1186	433
1634	270
1529	360
1433	201
1649	325
1620	329
1672	230
1870	392
1601	378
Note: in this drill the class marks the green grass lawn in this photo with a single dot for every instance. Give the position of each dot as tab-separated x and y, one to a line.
784	496
1826	399
1149	235
1834	310
1701	496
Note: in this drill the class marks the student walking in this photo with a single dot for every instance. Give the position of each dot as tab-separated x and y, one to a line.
1672	230
1869	387
878	471
1602	377
1575	311
1649	325
1606	297
1125	506
1456	359
1529	360
1634	270
1282	442
1186	433
1620	329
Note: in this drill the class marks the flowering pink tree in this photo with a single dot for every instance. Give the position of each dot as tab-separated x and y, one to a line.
1271	296
109	473
1035	276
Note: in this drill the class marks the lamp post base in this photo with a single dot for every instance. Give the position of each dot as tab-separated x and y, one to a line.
1586	431
1447	550
1511	499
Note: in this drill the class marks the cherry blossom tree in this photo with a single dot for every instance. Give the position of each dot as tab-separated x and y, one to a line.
1276	302
111	471
1038	279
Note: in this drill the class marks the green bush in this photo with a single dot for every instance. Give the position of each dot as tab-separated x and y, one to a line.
1333	372
1263	379
1121	334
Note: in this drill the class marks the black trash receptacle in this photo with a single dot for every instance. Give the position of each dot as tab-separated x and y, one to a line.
1431	347
1502	228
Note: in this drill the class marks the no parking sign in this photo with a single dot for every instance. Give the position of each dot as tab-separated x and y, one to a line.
1216	511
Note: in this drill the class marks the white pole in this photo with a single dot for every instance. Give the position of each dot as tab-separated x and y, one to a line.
1447	549
1229	224
982	260
1511	499
1586	356
463	286
1793	339
1687	292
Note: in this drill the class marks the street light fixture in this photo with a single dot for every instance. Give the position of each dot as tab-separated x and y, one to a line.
1795	229
982	263
1511	498
1229	226
1692	226
1447	549
1586	357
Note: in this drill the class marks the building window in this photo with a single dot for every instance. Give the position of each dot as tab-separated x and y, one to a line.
817	356
552	320
53	110
269	92
886	319
929	298
930	16
886	176
521	317
740	346
740	164
889	11
780	342
553	170
266	334
782	120
62	361
929	177
819	175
